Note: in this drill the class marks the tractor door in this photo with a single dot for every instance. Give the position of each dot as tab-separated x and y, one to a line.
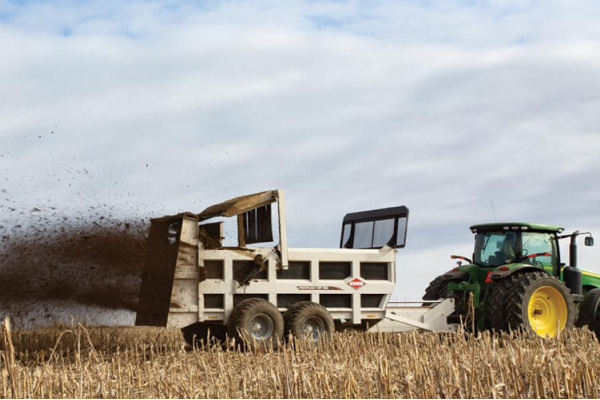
540	243
375	229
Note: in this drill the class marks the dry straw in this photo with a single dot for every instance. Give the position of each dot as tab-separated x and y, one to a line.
66	362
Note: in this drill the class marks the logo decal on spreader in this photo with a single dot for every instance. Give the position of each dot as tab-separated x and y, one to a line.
356	283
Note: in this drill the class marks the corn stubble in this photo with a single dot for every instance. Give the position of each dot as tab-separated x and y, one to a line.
67	362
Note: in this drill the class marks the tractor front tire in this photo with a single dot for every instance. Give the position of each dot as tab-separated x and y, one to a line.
309	321
540	304
256	323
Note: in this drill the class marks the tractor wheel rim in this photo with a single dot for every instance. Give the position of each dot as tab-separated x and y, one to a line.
547	311
261	327
313	328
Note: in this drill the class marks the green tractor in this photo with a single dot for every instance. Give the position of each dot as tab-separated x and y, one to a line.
517	280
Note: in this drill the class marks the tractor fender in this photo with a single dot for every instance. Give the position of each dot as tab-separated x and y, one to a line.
498	274
455	275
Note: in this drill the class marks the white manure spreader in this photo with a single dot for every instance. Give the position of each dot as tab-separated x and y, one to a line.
253	294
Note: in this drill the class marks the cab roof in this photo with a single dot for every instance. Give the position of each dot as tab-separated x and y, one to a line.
524	226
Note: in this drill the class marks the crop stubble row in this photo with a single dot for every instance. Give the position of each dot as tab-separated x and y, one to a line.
151	362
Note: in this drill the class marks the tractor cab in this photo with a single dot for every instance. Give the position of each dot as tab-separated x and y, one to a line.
502	249
535	245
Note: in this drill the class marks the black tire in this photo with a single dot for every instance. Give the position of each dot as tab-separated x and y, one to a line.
202	334
497	300
255	323
589	309
550	297
309	321
594	324
437	289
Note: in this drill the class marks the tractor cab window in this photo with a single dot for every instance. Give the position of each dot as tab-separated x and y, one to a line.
537	243
493	249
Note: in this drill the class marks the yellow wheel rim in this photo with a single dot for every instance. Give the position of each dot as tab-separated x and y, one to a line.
547	311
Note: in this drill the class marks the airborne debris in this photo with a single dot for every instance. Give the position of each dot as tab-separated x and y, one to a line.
90	259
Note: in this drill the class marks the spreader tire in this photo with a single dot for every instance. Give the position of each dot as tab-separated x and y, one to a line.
202	334
309	321
540	304
255	323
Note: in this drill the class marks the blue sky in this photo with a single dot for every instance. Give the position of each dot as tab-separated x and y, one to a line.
156	107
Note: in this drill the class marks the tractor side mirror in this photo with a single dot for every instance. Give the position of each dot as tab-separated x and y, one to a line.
589	241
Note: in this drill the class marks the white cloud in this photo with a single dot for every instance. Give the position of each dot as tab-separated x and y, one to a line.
442	106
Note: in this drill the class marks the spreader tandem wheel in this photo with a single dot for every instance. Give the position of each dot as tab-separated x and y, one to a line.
256	323
309	321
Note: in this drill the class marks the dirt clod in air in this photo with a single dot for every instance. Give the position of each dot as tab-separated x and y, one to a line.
87	260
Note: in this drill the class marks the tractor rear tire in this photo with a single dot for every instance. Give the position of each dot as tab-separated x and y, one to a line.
309	321
540	304
437	289
589	312
256	323
496	303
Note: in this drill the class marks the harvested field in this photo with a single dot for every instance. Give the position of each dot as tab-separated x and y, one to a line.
152	362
